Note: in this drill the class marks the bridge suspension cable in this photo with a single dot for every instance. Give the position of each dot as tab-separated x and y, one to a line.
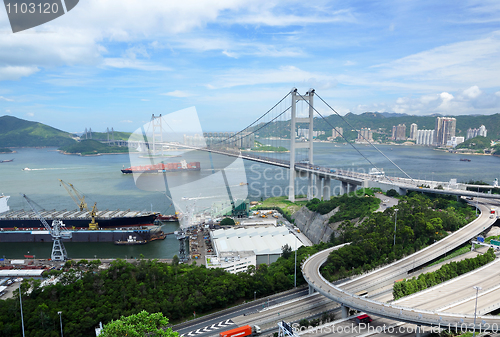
258	119
376	148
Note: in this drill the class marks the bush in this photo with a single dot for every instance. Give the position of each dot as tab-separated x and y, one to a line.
392	193
227	222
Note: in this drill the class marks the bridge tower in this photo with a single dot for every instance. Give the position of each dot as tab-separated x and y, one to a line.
307	144
157	132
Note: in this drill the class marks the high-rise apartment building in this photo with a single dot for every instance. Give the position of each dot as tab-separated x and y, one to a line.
471	133
337	132
444	130
413	131
425	137
365	134
399	132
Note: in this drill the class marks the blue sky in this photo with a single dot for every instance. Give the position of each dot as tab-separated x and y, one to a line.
114	63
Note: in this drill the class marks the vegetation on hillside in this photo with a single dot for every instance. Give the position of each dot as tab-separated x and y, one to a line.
476	143
443	274
351	206
382	123
4	150
117	135
259	147
421	220
92	147
15	132
87	295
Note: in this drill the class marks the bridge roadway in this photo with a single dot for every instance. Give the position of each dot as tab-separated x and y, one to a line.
344	293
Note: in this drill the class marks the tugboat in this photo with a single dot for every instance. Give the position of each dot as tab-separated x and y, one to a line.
132	240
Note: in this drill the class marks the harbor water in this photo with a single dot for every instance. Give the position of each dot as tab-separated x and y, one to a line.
100	179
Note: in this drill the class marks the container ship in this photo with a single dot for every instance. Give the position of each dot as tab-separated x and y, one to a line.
164	167
77	219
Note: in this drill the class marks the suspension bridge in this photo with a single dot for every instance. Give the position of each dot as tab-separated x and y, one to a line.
288	132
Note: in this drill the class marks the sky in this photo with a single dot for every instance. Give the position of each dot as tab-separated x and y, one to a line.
114	63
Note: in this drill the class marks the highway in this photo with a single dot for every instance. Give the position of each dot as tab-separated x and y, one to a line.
343	293
221	321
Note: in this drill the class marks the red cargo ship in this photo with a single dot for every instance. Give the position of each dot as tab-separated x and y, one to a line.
164	167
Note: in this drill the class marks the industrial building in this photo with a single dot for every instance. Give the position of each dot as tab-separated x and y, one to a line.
265	242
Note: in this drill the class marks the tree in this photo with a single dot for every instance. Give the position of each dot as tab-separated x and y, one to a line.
286	251
138	326
392	193
227	222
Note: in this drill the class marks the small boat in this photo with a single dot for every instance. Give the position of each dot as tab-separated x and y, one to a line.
6	161
464	159
167	217
243	184
132	240
26	169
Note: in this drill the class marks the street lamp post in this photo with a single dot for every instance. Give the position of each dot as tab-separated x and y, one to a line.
254	295
21	303
295	268
475	309
60	321
395	222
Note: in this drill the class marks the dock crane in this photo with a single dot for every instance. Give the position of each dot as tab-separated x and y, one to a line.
81	203
56	232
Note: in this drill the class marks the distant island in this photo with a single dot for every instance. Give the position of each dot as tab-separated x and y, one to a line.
90	147
16	132
259	147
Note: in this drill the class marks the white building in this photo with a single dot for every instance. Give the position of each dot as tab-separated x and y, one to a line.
454	141
265	241
233	262
413	131
425	137
471	133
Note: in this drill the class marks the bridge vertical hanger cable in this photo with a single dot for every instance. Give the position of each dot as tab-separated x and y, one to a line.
376	148
355	148
250	125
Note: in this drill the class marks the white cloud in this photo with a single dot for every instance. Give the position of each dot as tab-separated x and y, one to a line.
177	93
6	99
468	101
126	121
8	111
456	63
285	74
16	72
30	114
133	64
472	92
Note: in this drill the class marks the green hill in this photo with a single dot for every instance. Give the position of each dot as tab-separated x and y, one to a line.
117	135
15	132
91	147
382	123
476	143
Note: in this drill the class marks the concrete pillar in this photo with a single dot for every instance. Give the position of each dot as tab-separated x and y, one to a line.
318	191
344	190
310	186
352	187
345	311
327	187
311	290
419	332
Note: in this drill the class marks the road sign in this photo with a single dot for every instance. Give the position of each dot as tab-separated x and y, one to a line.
495	242
480	239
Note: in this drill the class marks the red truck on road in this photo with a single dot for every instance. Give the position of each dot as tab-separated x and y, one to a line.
241	331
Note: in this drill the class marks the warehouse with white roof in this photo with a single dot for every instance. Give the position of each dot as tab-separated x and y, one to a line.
265	241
